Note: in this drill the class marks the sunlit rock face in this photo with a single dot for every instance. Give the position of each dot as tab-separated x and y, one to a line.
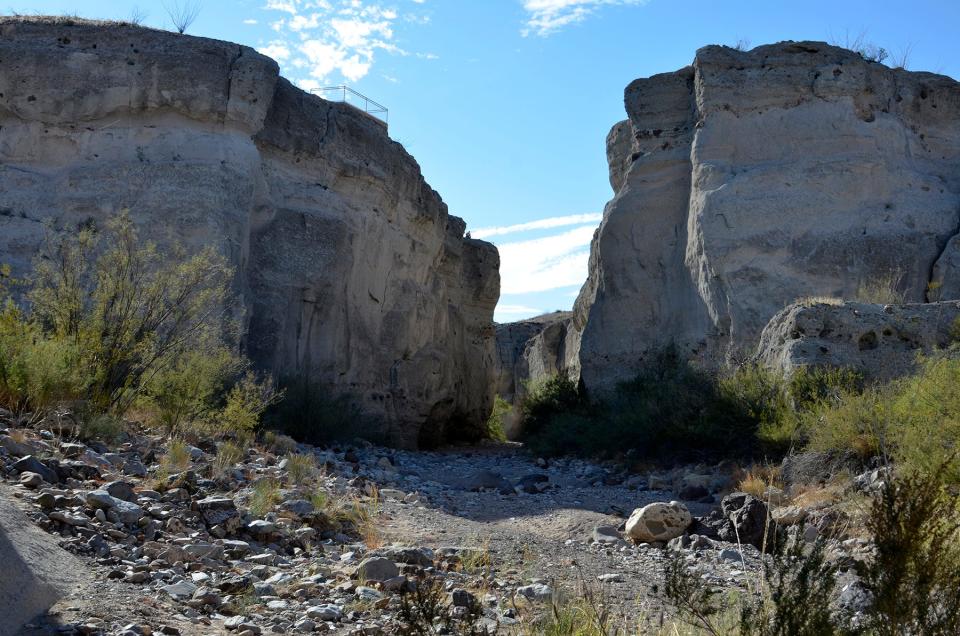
349	267
751	179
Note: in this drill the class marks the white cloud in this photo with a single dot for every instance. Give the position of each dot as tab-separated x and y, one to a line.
277	50
548	16
329	38
545	263
539	224
516	310
250	21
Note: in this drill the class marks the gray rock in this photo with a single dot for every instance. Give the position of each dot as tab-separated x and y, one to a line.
121	490
325	612
376	569
180	591
33	465
536	592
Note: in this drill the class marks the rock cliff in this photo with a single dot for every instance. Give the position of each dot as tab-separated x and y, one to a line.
751	179
350	270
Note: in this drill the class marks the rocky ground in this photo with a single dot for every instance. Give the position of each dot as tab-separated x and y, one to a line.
498	535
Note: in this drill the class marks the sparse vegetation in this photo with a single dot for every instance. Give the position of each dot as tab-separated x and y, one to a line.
914	422
266	495
883	289
301	468
115	324
177	457
495	427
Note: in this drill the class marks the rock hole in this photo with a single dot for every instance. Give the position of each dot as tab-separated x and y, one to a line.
868	341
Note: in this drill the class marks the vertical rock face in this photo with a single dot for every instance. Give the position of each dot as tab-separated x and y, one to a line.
752	179
528	350
350	270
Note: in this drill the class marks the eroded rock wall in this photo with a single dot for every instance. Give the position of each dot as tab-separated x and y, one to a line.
349	267
882	342
755	178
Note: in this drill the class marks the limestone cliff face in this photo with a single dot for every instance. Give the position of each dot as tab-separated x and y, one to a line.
350	269
752	179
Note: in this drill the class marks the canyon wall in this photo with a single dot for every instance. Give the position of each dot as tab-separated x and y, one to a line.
350	270
752	179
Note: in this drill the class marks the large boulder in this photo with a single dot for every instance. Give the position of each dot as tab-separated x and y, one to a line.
36	571
351	272
658	522
881	342
752	179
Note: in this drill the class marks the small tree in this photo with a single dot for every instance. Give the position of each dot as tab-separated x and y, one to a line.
130	311
182	15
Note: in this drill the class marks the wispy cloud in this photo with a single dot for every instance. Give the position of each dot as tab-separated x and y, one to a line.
545	263
518	310
322	39
539	224
548	16
250	21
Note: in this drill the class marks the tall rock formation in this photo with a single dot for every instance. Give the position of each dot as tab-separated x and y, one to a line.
755	178
351	271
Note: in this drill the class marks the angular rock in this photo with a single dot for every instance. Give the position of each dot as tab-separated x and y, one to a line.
658	522
33	465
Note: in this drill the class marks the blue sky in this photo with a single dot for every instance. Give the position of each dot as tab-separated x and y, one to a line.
506	103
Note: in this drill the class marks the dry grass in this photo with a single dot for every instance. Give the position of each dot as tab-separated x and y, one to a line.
758	478
266	495
177	457
301	467
883	289
228	454
809	301
278	443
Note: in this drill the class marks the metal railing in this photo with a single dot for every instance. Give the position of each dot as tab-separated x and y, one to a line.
360	102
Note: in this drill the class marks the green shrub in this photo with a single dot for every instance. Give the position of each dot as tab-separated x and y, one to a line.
810	387
228	454
190	390
105	428
130	310
246	403
656	414
115	322
177	457
546	398
495	427
914	575
914	421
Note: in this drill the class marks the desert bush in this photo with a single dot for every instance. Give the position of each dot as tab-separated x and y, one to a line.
228	454
130	309
105	428
914	421
809	387
657	413
246	402
114	322
545	399
190	390
914	576
882	289
177	457
425	610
